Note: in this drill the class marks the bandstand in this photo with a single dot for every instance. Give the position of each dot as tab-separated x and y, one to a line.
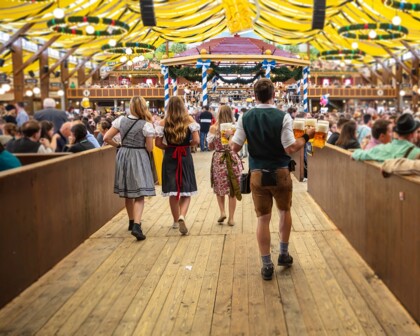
68	265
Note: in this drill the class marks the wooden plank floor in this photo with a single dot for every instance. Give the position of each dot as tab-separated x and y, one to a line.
209	283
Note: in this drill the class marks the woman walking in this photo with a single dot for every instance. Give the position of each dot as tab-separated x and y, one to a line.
133	174
226	166
176	134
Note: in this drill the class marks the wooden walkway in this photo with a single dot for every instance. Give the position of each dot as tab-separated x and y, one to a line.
209	283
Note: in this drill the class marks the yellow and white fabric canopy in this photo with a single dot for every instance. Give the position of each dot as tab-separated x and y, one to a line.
188	21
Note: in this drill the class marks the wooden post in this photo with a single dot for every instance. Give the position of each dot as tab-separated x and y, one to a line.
81	75
64	69
18	78
414	81
399	72
45	80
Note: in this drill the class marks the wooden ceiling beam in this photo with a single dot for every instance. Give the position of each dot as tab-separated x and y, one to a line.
87	59
92	72
35	56
15	36
57	64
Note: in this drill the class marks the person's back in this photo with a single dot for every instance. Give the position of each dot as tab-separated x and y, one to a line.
8	160
50	113
403	147
263	126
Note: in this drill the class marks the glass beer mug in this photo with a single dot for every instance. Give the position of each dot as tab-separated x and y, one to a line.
298	128
321	131
223	128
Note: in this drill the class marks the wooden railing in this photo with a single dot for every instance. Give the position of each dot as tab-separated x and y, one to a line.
47	209
347	93
29	158
118	93
379	216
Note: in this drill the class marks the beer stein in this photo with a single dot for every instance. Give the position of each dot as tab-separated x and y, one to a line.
321	131
298	128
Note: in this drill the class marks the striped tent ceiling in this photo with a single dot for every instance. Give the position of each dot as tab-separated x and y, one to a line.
188	21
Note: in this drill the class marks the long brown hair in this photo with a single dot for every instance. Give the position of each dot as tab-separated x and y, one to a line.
348	132
224	116
138	108
176	121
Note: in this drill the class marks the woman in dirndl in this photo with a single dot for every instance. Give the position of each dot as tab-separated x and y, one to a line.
133	173
226	165
176	134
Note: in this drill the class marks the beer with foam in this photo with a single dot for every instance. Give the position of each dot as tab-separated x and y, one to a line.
321	131
298	127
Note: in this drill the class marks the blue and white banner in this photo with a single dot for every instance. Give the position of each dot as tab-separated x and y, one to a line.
165	73
268	65
174	87
305	89
204	65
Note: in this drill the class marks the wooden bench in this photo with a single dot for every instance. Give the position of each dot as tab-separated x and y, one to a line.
48	209
379	216
29	158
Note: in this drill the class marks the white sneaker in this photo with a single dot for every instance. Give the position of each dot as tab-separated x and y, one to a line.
175	225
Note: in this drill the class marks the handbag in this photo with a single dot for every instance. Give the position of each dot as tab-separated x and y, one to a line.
246	183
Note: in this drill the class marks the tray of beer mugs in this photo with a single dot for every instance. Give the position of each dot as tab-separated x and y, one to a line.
321	130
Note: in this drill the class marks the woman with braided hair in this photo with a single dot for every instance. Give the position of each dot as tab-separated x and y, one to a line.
226	166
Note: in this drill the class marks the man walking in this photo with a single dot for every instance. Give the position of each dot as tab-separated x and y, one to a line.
205	119
269	133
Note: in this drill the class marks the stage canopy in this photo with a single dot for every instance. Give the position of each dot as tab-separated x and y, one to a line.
282	22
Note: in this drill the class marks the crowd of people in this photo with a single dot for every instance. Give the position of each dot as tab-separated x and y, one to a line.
264	133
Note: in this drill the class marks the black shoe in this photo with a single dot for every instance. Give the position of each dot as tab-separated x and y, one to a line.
137	232
285	260
130	225
267	272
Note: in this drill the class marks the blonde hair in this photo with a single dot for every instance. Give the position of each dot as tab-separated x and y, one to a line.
176	121
224	116
138	108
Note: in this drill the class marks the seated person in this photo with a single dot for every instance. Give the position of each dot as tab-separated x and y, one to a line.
347	139
62	136
78	141
91	138
10	131
402	147
31	141
381	133
7	160
335	135
401	166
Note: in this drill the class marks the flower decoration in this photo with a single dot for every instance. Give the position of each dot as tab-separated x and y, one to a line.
136	48
353	54
69	25
383	31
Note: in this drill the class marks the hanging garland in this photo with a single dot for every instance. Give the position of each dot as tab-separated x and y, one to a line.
402	5
236	69
191	74
63	26
239	80
393	32
136	47
341	54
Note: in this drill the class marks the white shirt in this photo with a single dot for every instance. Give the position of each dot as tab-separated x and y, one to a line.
287	136
148	129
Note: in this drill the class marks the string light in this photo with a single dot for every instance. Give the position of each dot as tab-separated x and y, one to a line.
36	90
128	51
60	93
112	43
355	45
29	93
396	20
58	13
141	58
123	59
402	93
90	29
372	34
6	87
